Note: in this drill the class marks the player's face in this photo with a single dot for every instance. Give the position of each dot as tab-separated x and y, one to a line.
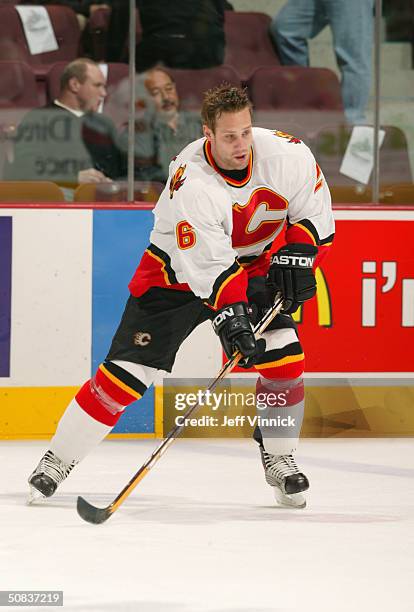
92	91
231	140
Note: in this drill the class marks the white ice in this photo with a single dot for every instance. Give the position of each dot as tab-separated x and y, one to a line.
201	533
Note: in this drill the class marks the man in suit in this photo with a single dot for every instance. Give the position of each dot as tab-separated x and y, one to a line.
69	142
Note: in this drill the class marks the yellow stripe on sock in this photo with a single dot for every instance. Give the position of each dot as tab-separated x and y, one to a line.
281	362
119	383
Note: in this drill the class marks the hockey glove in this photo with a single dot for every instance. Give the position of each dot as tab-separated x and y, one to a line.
259	296
232	325
291	272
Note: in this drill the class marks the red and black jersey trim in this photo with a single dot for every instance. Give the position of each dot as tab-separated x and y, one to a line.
125	377
230	181
229	279
327	241
302	231
248	259
159	254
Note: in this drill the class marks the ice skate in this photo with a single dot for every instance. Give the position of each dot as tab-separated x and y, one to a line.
45	479
282	473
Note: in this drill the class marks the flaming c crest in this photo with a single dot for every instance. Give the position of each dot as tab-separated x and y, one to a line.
177	180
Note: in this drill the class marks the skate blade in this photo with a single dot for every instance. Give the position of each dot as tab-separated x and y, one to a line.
294	500
34	496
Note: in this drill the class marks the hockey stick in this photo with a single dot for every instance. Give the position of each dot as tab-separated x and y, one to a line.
94	515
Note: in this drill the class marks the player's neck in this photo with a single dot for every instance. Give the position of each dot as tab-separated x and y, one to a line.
237	175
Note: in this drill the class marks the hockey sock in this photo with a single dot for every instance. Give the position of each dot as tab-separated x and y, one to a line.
280	407
96	409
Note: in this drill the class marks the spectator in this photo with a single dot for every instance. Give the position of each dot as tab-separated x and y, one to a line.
162	130
173	129
68	142
351	22
184	34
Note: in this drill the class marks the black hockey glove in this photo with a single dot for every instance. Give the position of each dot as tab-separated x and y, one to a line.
291	272
232	325
260	298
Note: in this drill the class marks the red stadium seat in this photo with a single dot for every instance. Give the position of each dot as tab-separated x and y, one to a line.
291	95
18	94
248	44
17	85
97	30
294	87
13	43
192	84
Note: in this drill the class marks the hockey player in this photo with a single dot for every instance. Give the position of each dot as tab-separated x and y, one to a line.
211	256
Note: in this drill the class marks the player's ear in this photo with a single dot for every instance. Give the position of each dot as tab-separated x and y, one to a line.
208	133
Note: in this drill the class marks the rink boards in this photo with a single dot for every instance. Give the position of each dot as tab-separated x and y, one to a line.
63	285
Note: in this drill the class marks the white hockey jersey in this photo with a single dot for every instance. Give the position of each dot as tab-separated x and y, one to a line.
210	229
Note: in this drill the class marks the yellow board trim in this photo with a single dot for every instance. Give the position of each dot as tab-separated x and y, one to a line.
131	436
281	362
32	413
119	383
25	410
158	412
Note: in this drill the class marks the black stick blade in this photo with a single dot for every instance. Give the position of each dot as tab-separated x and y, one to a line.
90	513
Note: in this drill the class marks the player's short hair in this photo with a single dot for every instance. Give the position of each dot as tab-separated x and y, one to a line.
225	98
76	69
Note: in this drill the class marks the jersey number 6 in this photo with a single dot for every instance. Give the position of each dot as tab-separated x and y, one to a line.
186	237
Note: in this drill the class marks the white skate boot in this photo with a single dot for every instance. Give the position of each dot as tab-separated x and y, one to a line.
45	479
282	473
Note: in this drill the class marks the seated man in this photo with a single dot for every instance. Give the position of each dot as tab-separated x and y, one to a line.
162	130
173	129
68	142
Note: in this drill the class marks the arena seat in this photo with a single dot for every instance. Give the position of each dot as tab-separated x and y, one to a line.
329	145
17	85
192	84
283	96
97	30
144	191
351	194
18	94
30	191
13	39
397	194
248	43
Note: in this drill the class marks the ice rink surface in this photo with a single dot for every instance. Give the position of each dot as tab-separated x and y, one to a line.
201	532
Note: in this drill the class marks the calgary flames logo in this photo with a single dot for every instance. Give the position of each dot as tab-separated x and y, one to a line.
288	137
142	339
177	180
